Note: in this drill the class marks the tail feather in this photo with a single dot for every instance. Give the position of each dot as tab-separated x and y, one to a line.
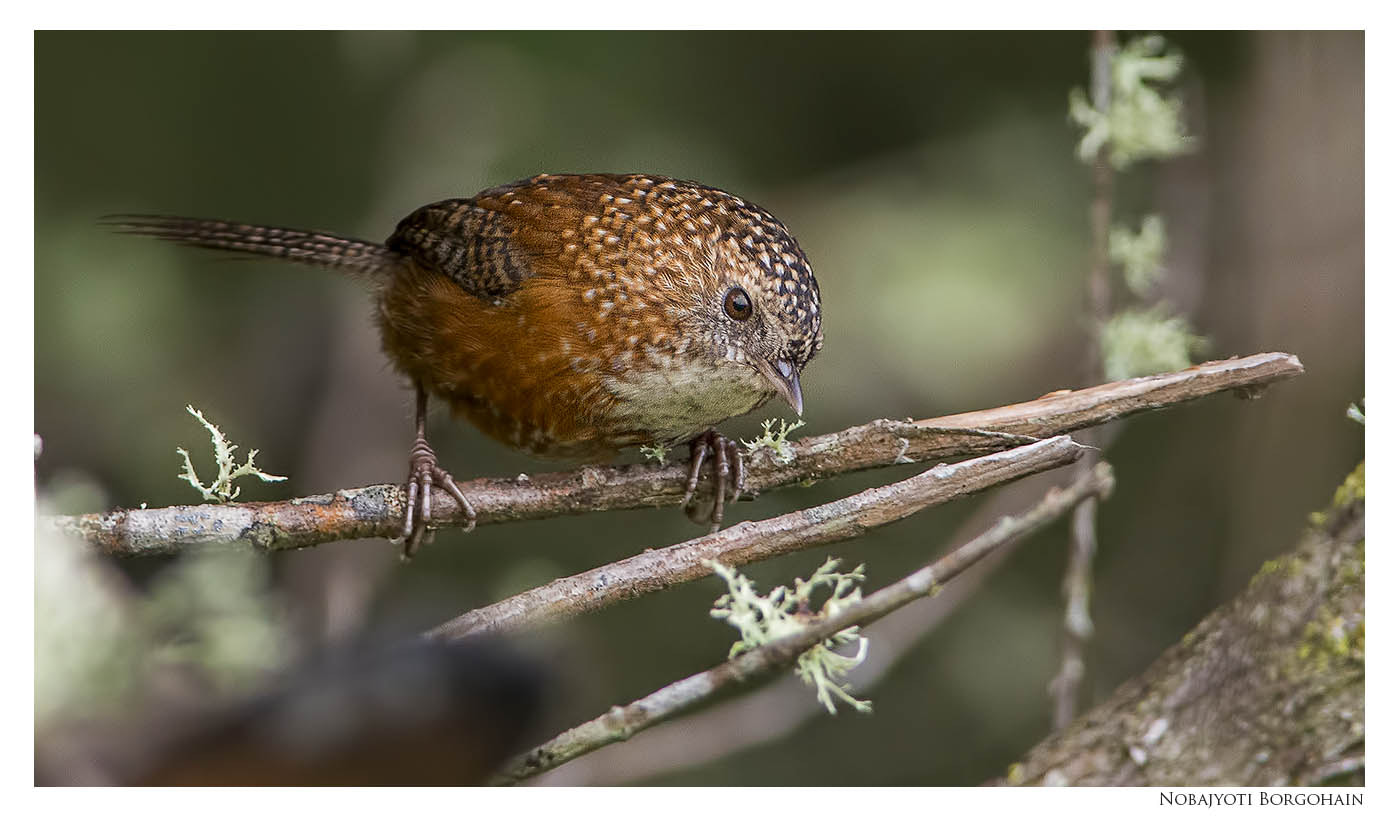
319	249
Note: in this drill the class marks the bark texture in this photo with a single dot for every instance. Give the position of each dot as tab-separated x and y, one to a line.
377	511
1268	690
844	519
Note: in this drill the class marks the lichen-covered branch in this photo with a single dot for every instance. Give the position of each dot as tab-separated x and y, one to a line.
620	723
1268	690
1077	586
844	519
778	708
377	511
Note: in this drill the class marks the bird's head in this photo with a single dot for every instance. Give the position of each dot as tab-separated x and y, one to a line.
750	300
765	312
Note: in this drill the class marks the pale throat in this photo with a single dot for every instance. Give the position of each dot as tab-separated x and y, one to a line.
683	397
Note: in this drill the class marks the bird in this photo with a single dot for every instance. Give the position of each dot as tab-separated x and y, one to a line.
572	316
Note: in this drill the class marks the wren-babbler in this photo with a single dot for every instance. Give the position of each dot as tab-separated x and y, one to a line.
573	315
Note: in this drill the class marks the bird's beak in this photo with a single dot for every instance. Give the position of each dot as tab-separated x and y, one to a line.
783	375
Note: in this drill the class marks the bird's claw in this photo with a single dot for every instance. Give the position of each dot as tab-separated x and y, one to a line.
728	473
423	474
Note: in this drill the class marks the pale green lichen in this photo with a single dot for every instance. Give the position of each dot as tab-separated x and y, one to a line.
1131	118
1290	566
212	610
1353	572
1145	342
783	611
222	488
87	657
1337	629
211	619
1140	121
657	453
1329	638
775	440
1140	254
1352	490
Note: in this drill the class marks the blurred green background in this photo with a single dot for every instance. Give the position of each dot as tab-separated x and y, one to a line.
930	178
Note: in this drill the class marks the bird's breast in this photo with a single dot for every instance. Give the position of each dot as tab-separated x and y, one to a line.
674	398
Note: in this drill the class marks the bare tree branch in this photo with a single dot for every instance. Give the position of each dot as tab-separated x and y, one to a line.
779	707
620	723
844	519
376	511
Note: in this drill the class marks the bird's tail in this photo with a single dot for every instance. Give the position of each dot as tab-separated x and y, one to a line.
318	249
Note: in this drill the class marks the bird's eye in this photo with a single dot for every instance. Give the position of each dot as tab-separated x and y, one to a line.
737	304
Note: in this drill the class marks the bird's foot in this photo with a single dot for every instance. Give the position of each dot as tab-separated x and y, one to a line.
728	472
423	474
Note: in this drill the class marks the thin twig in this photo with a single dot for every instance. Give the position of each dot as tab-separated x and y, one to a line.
1077	586
844	519
377	511
622	722
780	707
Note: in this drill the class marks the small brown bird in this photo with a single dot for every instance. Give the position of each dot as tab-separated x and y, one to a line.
573	315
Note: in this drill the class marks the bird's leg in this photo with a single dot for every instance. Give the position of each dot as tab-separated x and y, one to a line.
728	473
423	474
